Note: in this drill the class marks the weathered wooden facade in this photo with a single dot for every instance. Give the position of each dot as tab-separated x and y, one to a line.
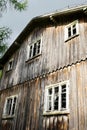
44	82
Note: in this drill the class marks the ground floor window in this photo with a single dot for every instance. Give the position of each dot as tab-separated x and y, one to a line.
57	97
10	106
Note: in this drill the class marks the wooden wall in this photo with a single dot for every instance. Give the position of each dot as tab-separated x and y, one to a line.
56	53
29	114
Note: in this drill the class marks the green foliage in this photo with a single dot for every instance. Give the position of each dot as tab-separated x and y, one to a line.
15	3
2	5
19	5
4	35
0	74
5	31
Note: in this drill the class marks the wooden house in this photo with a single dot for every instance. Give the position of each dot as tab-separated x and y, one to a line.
44	81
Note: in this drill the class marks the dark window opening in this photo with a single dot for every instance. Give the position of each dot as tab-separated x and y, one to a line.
38	47
30	51
56	98
74	29
10	106
50	91
14	105
49	107
69	32
50	99
63	97
56	102
34	49
10	65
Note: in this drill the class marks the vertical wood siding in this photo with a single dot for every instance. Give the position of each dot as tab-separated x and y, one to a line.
29	113
56	53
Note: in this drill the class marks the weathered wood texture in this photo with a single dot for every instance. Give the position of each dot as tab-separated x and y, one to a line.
56	53
29	114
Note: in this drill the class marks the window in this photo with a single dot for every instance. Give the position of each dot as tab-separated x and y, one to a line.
71	30
57	97
10	64
10	106
35	49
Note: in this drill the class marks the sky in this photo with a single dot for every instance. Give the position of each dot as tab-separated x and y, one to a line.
17	21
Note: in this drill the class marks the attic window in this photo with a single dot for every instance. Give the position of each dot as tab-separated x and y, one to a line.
10	65
57	98
10	106
35	49
71	30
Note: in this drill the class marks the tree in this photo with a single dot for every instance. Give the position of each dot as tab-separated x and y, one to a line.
5	32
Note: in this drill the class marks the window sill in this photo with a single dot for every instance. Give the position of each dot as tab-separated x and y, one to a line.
56	113
33	58
8	71
7	117
71	37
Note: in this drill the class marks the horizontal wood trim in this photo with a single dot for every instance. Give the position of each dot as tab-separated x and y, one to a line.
33	58
56	113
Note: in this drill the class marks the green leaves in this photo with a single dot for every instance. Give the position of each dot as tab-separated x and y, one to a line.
3	4
5	33
19	5
0	74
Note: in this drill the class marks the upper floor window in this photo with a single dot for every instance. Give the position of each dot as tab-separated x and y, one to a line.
10	106
35	49
71	30
10	64
57	97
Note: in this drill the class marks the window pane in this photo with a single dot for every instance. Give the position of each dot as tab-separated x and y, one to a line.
38	47
63	88
10	65
30	51
74	29
63	97
14	105
8	106
56	89
34	49
69	32
56	98
49	101
49	107
50	91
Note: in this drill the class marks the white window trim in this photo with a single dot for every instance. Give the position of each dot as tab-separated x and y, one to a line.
66	110
28	57
66	30
4	110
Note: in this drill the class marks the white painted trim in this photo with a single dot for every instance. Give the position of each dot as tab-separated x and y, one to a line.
32	44
67	97
4	110
66	38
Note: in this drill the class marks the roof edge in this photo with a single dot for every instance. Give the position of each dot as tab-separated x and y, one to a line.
16	43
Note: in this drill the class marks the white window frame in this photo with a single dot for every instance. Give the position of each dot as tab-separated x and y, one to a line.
33	45
71	26
5	114
60	109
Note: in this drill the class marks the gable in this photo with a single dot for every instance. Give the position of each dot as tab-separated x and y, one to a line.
42	21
